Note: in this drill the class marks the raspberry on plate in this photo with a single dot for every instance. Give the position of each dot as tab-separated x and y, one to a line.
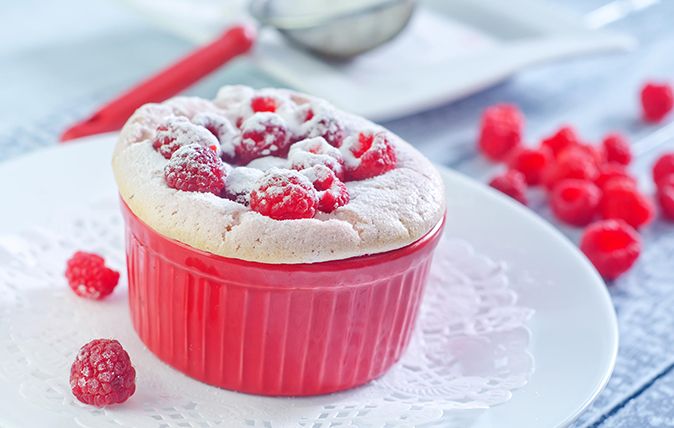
513	184
531	163
500	131
665	197
226	133
284	195
575	201
194	168
319	122
367	155
575	164
657	101
562	139
316	151
617	149
261	104
263	134
102	374
612	246
88	276
332	193
622	200
663	167
176	132
612	171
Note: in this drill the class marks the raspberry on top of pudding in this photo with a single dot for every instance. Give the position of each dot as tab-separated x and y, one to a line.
274	176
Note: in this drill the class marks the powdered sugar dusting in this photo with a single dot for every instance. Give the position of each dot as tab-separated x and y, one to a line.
268	162
240	182
221	128
315	151
385	212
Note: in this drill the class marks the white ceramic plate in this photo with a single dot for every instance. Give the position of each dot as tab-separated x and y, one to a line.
449	50
574	337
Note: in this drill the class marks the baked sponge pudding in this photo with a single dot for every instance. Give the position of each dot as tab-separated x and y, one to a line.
275	244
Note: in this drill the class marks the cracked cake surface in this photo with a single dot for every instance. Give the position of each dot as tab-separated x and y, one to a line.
384	212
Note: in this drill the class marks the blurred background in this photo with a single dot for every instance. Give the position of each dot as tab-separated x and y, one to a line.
561	62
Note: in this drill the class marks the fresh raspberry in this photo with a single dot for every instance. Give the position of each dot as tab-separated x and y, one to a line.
262	104
531	163
323	123
590	152
513	184
500	131
622	200
663	167
102	374
332	193
617	149
176	132
222	129
656	101
88	276
195	168
263	134
562	139
316	151
284	195
612	171
665	197
367	155
570	165
575	201
612	246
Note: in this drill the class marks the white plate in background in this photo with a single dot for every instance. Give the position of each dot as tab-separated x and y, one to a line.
449	50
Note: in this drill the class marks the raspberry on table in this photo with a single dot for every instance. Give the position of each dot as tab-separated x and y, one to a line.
284	195
665	197
88	276
622	200
612	171
617	149
194	168
531	163
612	246
263	104
590	152
657	101
575	201
323	123
513	184
222	129
562	139
332	193
500	131
663	167
176	132
576	165
102	374
316	151
262	134
367	155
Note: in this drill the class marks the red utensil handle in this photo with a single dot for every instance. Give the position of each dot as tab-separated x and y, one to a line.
235	41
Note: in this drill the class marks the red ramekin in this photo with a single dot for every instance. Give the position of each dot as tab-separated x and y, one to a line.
274	329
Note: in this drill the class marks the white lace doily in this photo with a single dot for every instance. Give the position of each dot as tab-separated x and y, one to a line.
469	350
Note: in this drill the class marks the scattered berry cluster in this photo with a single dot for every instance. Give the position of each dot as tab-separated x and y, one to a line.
587	185
320	156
